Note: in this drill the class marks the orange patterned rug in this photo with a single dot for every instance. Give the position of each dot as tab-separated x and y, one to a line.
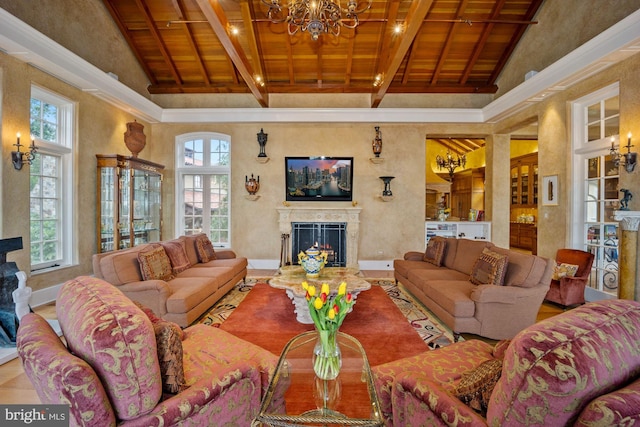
387	316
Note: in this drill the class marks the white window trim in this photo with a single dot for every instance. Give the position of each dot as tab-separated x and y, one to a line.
64	149
182	170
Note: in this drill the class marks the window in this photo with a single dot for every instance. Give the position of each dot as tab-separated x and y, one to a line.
203	166
50	191
596	122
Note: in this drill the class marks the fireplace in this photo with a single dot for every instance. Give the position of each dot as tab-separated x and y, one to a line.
329	237
347	221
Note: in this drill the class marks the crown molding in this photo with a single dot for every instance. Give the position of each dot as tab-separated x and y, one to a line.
23	42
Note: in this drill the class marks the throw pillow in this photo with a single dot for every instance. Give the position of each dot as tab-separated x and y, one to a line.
489	269
434	254
564	270
169	343
155	319
475	386
177	255
204	247
155	264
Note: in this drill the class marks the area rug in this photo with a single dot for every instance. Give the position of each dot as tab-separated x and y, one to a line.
402	313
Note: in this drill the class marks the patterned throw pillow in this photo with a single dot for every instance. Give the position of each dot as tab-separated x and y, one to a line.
564	270
475	386
204	247
155	264
434	254
177	255
489	269
169	342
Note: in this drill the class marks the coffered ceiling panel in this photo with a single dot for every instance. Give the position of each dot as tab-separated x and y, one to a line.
230	46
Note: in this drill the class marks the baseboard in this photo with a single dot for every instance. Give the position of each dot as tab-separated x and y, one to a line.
44	296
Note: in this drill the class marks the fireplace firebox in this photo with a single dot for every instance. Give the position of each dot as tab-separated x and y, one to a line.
329	237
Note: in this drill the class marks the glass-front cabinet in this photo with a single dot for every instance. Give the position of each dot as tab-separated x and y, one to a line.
129	202
524	180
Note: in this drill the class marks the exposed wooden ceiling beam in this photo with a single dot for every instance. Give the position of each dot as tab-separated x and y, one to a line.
415	16
444	54
477	50
218	21
256	53
515	38
159	41
123	29
178	5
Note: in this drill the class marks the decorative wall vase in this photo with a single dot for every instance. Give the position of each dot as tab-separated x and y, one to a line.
377	143
262	141
134	138
387	185
327	358
312	261
251	184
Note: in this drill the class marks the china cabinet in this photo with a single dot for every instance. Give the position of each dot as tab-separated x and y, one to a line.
524	180
129	202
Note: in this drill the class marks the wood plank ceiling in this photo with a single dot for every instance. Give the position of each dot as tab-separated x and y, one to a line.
229	46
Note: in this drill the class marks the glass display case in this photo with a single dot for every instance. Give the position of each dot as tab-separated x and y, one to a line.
524	180
129	202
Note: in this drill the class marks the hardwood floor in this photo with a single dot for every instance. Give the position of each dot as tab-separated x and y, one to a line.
16	388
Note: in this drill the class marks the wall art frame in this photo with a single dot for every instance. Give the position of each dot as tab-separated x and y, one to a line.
550	190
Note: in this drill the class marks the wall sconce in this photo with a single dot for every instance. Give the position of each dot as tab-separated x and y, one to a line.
377	142
262	141
251	184
630	159
19	158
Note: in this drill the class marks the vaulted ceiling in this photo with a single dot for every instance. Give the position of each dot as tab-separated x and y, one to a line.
230	46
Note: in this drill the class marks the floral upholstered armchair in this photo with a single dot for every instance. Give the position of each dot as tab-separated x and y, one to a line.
581	367
114	371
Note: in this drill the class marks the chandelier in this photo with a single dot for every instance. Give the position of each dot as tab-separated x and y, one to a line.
316	16
449	163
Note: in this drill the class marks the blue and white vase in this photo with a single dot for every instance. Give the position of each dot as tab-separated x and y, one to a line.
312	261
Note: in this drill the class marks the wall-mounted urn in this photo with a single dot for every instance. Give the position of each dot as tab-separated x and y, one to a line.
134	138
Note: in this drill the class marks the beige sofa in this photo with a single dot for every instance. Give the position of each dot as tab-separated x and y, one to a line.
496	312
182	299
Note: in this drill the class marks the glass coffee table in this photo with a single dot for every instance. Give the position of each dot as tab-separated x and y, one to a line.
291	277
349	400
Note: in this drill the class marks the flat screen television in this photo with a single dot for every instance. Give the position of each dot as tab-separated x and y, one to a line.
319	178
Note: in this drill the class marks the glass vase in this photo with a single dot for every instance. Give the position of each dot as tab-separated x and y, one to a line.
327	358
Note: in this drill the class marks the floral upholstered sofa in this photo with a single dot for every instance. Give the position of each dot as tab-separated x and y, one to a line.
178	279
119	360
581	367
476	287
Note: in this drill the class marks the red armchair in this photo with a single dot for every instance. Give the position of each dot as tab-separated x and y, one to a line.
570	290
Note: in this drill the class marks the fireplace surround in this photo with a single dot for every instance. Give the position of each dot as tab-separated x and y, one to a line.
348	215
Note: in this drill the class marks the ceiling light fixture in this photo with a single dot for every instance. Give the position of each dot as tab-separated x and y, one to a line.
316	16
449	163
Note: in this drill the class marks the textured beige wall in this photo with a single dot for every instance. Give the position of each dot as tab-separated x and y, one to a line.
563	25
100	128
255	230
86	28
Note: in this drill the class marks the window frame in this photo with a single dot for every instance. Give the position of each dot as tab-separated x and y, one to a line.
584	149
206	170
63	150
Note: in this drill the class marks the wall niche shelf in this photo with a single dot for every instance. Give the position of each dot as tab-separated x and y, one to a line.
376	160
386	198
262	159
252	197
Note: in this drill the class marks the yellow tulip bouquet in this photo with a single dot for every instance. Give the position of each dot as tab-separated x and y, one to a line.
328	313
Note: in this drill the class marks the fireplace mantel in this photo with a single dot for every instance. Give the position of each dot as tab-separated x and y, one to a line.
348	215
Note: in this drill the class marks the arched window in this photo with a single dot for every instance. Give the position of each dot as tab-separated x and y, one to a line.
203	190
